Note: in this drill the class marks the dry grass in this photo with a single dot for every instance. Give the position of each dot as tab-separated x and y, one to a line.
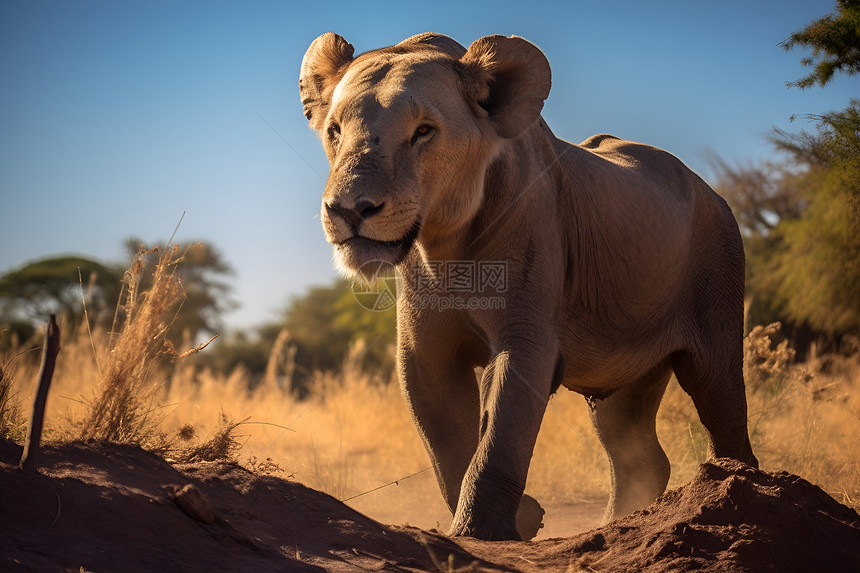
353	433
222	446
119	412
110	384
12	421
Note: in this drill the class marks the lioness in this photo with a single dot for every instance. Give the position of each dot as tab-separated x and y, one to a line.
613	265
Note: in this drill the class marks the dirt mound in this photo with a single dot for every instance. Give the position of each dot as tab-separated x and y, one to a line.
109	508
730	518
105	507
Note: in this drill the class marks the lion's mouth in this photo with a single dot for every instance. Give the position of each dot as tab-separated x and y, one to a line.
357	251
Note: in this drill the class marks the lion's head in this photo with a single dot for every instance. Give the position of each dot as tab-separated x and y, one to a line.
409	132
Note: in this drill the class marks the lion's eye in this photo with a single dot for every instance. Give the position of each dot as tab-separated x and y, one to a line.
422	131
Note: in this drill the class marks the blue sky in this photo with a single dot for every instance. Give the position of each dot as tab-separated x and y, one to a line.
115	117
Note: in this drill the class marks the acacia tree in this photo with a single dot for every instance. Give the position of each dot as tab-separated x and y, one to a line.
58	285
815	273
52	286
835	43
817	270
801	220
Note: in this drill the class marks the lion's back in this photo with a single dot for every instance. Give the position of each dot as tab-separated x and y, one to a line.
648	167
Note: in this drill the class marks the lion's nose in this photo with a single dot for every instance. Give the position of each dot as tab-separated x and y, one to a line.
363	209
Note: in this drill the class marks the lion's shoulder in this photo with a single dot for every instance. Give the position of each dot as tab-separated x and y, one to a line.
595	141
631	154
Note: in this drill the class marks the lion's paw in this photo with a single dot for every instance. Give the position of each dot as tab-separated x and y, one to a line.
529	517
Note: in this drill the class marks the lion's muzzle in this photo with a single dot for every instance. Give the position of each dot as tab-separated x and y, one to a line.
365	231
361	256
356	214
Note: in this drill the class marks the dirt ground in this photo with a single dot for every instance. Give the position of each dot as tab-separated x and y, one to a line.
102	507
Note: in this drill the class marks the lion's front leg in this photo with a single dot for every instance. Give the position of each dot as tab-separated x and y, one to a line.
514	393
445	406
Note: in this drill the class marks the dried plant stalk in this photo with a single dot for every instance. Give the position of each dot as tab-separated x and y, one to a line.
119	413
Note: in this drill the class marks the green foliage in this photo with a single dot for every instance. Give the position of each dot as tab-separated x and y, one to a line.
815	274
835	43
326	325
801	219
251	352
801	226
836	144
53	286
326	321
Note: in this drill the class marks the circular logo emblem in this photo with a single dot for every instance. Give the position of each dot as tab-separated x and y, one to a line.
377	289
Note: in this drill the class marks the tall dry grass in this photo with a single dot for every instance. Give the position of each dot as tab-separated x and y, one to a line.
114	376
12	421
352	436
120	411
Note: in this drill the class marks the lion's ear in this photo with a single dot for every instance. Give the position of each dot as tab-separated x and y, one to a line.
323	66
507	81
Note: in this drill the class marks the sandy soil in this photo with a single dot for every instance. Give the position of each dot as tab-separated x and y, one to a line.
102	507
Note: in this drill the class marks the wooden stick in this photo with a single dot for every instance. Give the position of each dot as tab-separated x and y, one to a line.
49	358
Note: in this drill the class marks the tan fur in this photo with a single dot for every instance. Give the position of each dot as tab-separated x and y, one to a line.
621	266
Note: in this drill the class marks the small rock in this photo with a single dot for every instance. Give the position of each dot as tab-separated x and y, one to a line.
191	500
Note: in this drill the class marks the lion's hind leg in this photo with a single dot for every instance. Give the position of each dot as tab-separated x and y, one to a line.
717	389
626	424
